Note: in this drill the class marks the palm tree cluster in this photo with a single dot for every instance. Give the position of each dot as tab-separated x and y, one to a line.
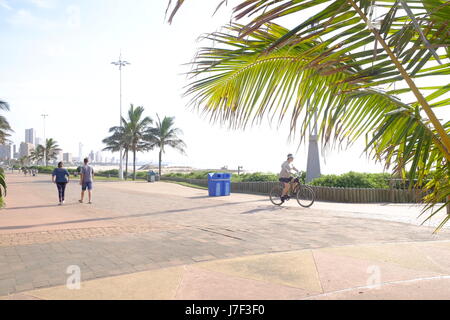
136	134
370	69
5	130
45	153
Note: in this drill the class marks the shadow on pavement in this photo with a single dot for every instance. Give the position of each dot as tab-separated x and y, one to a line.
119	217
268	208
37	207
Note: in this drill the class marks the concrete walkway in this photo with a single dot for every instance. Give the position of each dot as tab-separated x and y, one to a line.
388	271
165	241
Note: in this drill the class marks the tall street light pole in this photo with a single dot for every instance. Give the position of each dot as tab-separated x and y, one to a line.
120	63
45	140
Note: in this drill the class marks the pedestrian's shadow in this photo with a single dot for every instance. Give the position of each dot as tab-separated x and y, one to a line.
35	207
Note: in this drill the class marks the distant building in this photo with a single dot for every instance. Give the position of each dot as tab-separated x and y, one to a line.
59	156
67	157
6	152
25	149
91	156
15	153
30	136
39	141
98	157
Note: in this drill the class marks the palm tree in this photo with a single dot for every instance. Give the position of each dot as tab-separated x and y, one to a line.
5	128
130	136
24	161
164	134
51	150
356	64
118	139
136	127
38	154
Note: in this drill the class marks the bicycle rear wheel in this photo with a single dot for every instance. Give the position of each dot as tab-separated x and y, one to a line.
305	196
275	195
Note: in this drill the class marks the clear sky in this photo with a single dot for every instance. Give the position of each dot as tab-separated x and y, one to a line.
56	59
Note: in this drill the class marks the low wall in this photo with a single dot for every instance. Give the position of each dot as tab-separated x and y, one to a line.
351	195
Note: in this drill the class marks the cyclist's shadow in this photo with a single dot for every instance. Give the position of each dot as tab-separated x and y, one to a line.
269	208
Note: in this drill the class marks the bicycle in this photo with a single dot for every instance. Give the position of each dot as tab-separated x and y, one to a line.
304	194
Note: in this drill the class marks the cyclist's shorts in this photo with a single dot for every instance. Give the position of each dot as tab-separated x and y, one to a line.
285	180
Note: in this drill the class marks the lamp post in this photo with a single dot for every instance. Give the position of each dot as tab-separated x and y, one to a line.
120	63
45	140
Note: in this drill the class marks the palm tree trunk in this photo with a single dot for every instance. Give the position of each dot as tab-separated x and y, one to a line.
134	164
160	161
126	164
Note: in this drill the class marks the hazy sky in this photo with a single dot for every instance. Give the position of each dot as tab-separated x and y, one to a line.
56	59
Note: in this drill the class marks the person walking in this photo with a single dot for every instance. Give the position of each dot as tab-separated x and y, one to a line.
61	176
86	180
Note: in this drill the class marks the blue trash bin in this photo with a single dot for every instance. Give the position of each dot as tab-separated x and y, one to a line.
226	184
219	184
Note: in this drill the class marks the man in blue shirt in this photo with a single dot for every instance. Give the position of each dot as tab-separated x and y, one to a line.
60	176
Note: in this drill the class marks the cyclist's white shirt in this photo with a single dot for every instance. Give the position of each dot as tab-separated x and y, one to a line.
286	169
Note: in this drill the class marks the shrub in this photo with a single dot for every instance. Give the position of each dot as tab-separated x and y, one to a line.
354	180
43	169
112	172
246	177
255	177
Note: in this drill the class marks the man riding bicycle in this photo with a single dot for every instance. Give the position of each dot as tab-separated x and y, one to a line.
286	176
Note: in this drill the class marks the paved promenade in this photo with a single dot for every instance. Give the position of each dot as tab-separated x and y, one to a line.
164	241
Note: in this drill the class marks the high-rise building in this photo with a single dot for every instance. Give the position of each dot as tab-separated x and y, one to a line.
91	156
59	156
39	141
25	149
98	157
30	136
67	157
5	152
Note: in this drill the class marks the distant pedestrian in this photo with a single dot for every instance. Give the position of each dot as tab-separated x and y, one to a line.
60	176
86	180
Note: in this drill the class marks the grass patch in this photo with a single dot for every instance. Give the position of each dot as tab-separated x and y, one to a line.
186	184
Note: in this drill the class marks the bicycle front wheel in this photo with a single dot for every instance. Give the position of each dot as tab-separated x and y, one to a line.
305	196
275	195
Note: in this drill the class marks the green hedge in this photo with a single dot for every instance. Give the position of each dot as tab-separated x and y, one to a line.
112	172
49	169
43	169
246	177
354	180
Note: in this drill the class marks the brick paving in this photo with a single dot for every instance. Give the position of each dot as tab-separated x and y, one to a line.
26	238
138	226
